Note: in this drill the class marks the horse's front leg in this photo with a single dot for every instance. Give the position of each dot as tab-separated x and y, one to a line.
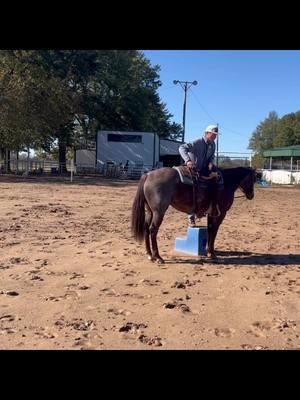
213	225
154	227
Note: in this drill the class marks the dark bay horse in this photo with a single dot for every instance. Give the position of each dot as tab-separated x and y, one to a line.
162	187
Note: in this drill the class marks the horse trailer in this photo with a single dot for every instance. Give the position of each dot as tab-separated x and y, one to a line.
137	152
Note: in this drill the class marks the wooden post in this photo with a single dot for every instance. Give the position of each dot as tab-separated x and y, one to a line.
72	169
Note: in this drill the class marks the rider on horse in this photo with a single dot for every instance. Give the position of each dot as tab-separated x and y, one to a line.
199	157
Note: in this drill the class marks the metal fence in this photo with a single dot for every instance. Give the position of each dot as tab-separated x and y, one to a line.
234	159
34	167
114	170
109	169
52	167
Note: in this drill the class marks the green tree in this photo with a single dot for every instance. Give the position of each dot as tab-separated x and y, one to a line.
265	134
288	130
34	103
276	132
53	98
257	161
129	98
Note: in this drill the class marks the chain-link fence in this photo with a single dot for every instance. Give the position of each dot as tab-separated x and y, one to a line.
232	159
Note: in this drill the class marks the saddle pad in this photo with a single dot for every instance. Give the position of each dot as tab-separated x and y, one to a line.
184	178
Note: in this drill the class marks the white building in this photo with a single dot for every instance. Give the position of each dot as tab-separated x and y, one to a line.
282	165
133	148
139	150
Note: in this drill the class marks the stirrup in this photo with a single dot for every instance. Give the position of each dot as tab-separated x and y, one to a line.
192	224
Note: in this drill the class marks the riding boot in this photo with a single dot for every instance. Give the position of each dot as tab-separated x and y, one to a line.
192	220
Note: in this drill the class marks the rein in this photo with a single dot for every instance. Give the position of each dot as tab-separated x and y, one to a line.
205	178
240	196
211	176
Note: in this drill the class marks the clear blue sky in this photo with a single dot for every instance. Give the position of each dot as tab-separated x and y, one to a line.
236	88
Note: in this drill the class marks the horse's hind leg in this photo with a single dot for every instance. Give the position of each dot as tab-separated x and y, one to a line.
154	227
148	219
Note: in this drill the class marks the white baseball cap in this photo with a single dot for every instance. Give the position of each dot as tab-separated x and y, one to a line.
213	129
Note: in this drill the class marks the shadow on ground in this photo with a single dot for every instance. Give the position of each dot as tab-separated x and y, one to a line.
240	258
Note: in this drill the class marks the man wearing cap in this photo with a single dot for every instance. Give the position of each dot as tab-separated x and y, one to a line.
199	155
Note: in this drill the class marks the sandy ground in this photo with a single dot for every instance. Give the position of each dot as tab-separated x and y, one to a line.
71	276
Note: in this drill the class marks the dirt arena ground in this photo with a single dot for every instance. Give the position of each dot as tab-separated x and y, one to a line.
71	276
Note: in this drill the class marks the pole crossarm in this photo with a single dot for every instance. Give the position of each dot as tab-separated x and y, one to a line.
185	86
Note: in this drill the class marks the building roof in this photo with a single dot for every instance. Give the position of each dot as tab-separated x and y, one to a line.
169	147
289	151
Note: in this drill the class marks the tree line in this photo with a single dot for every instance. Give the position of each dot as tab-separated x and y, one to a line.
51	100
275	132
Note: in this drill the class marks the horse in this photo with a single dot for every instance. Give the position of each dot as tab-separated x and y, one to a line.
159	189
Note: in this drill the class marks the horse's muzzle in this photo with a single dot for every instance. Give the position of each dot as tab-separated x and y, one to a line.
250	195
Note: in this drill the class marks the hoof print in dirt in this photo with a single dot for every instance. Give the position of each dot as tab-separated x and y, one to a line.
131	327
79	324
184	284
176	304
178	285
11	293
169	305
155	341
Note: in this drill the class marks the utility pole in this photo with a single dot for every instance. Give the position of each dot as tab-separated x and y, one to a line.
218	146
185	86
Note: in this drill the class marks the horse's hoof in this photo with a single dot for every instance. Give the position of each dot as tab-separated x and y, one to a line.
150	257
212	256
160	261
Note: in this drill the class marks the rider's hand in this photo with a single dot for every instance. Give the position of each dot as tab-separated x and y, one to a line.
190	164
210	166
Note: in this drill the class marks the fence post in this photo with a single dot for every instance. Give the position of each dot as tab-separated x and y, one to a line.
72	169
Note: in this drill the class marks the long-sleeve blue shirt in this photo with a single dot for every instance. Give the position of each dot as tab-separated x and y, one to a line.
201	152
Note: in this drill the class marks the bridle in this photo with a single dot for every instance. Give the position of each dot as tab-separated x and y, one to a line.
238	197
244	194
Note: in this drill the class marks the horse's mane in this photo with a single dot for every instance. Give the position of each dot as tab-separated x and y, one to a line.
235	175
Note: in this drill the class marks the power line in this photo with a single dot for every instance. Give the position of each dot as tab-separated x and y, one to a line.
214	119
235	133
162	87
211	118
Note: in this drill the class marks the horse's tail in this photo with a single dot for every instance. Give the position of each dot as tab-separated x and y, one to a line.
138	212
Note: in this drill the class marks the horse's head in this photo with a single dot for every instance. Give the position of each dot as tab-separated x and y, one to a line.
247	184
